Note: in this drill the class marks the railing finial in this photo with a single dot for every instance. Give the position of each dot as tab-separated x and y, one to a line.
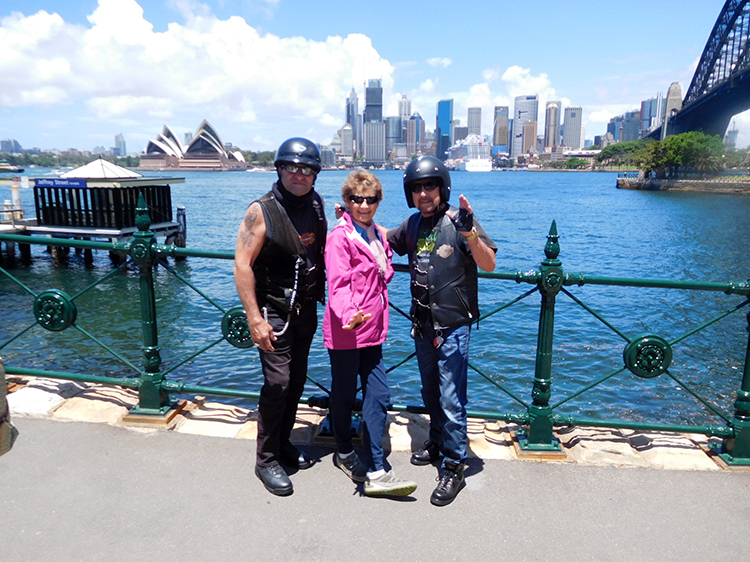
552	248
142	220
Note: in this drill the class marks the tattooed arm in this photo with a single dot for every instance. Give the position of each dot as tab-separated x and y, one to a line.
250	240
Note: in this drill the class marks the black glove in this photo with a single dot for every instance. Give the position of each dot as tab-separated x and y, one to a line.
464	221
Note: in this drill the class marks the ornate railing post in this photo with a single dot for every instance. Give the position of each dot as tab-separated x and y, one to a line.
540	435
152	398
736	450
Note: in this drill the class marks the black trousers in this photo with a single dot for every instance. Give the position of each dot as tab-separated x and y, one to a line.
284	372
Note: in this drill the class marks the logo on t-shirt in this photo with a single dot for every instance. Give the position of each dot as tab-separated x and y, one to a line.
308	238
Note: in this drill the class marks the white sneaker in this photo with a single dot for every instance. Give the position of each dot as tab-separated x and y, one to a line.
389	485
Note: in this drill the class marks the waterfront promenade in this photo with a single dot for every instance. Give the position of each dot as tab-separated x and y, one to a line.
89	491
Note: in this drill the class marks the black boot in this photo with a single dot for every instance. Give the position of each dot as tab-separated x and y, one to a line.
450	482
428	455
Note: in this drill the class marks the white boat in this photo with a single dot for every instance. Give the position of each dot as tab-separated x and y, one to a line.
478	165
6	166
472	154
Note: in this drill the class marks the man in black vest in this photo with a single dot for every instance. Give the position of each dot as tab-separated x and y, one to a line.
445	245
280	275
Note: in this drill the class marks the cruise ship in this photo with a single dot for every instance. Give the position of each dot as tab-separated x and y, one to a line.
471	154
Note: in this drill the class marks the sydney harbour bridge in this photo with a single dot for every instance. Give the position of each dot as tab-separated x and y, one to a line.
720	88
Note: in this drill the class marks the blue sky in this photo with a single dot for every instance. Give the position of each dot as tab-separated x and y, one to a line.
74	74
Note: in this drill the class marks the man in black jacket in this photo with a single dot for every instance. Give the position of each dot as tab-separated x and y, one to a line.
280	275
445	245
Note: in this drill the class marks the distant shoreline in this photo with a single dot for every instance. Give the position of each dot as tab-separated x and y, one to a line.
725	185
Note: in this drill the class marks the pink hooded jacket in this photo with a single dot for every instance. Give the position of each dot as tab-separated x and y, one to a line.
354	282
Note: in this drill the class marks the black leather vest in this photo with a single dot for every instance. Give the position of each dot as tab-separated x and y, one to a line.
283	258
451	275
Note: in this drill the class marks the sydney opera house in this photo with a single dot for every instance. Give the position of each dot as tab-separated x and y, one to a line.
205	152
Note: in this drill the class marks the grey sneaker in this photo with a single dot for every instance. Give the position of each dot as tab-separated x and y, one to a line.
352	467
389	485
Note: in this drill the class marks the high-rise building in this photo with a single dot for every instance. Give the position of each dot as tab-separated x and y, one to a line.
10	146
404	108
352	112
393	132
460	133
443	128
373	101
415	134
500	128
374	141
347	140
552	124
474	121
652	114
120	147
529	136
525	108
404	111
572	129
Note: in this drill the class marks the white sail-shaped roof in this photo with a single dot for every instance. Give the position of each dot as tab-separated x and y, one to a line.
99	169
206	140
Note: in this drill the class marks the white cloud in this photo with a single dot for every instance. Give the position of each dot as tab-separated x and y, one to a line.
440	61
119	67
490	74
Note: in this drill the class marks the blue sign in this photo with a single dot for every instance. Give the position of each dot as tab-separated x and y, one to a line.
60	182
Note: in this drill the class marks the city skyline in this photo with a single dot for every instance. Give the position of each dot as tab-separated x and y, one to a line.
76	74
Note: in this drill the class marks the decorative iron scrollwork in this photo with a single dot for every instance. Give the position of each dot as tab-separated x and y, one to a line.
234	328
54	310
648	356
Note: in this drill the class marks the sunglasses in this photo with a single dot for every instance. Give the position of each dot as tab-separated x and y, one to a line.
359	199
294	168
427	186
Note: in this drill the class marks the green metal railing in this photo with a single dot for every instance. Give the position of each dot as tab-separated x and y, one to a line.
647	356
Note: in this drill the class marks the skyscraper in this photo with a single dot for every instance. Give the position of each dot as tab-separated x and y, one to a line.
393	132
552	124
474	121
352	111
120	147
404	111
373	101
525	108
652	114
500	128
443	129
573	127
404	108
347	140
529	136
415	134
374	140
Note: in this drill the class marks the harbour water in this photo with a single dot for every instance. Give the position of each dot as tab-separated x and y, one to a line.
603	231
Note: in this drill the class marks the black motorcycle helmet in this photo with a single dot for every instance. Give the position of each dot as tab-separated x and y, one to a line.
298	151
427	167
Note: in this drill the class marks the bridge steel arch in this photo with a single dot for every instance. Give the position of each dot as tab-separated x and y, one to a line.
720	88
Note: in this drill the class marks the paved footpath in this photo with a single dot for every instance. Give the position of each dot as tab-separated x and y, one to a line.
95	492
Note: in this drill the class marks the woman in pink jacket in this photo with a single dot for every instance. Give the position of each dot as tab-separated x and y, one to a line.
355	325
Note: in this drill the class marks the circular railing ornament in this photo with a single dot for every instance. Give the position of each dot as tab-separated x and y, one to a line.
54	310
234	328
648	356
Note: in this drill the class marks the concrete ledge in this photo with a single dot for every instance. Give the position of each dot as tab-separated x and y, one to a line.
67	401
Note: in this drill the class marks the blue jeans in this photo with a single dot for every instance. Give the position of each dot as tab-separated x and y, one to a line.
444	373
346	364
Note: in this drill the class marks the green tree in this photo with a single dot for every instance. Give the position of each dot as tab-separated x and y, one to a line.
575	163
